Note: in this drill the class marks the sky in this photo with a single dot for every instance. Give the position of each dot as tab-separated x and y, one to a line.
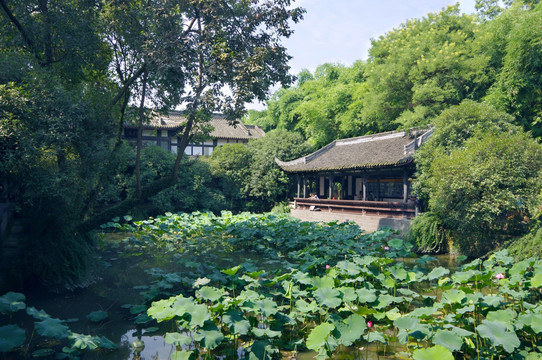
340	31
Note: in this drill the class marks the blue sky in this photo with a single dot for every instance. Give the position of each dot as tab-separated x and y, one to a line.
340	31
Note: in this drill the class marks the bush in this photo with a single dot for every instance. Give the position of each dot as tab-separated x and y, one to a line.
427	233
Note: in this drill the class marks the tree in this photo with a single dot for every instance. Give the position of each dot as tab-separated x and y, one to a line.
480	176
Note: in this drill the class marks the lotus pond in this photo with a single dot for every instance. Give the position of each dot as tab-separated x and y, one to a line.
189	286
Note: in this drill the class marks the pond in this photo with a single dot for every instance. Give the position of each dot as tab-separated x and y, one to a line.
327	288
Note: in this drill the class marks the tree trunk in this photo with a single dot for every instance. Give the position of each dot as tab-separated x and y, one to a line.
139	136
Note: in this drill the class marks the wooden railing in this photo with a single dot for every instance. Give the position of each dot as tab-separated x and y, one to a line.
396	209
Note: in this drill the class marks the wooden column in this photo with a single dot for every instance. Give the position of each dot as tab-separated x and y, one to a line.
364	186
405	186
298	186
330	187
304	187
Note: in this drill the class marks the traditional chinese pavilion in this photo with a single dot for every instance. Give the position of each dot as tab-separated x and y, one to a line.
367	176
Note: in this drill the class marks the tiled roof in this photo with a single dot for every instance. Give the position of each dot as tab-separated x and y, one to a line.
369	151
222	129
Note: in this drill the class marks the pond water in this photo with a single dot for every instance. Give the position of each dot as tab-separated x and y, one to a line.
118	278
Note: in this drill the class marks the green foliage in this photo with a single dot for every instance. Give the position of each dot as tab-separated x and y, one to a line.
53	334
482	192
427	233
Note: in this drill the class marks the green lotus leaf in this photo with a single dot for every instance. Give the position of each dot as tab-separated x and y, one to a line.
396	244
236	322
462	277
12	302
328	297
426	311
505	316
200	282
11	336
51	327
198	314
449	339
209	336
42	353
183	355
533	356
97	316
534	321
393	314
304	307
453	296
465	309
249	295
209	293
232	271
372	336
323	282
502	257
398	272
349	268
259	351
303	278
407	292
38	315
319	336
267	307
161	310
82	342
142	319
105	343
350	330
520	267
498	334
459	331
137	309
385	300
406	323
493	300
432	353
536	281
366	295
437	272
266	333
178	339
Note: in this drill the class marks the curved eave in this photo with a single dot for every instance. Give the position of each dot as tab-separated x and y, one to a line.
403	162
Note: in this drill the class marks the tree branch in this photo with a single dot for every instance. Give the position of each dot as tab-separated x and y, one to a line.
127	84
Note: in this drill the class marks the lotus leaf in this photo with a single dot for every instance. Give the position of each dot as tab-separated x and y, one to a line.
437	272
42	353
232	271
178	339
201	281
11	336
259	351
183	355
435	352
302	278
449	339
533	356
51	327
209	293
82	342
348	294
142	319
323	282
236	322
498	334
319	336
328	297
453	296
426	311
462	277
38	315
406	322
372	336
350	330
532	320
304	307
459	331
161	310
397	244
209	336
385	300
265	333
267	307
465	309
105	343
97	316
366	295
349	268
393	314
198	314
12	302
505	316
493	300
536	280
249	295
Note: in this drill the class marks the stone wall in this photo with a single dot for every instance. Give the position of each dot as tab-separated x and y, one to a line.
365	222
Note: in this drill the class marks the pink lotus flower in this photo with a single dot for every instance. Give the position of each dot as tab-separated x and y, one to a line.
369	324
327	266
499	276
386	248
